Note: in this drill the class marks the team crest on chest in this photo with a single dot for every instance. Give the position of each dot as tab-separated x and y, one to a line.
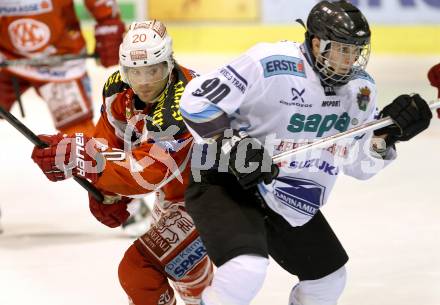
363	98
28	35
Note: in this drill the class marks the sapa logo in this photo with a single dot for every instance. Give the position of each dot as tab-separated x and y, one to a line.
318	123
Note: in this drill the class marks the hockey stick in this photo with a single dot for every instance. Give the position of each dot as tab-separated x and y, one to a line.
16	86
383	122
44	61
39	143
38	62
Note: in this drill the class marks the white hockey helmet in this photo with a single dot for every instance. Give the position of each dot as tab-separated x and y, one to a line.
146	43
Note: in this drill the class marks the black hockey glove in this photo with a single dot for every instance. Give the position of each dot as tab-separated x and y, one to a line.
411	115
248	161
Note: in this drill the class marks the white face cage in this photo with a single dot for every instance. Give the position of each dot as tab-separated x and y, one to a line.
338	63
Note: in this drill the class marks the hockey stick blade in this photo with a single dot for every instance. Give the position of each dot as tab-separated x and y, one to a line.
373	125
39	143
44	61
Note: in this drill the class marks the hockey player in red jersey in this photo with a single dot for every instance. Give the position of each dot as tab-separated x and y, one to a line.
141	145
44	28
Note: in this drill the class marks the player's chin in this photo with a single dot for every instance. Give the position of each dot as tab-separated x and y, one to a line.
146	96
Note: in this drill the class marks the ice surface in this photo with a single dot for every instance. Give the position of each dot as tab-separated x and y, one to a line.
54	252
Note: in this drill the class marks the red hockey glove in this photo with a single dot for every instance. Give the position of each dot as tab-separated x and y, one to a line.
108	36
434	79
67	156
112	212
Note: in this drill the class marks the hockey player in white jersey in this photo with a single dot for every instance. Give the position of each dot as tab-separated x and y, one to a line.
283	95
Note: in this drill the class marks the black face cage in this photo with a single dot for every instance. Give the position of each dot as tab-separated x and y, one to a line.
338	63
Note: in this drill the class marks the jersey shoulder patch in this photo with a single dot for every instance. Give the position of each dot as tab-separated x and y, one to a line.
279	58
282	64
114	85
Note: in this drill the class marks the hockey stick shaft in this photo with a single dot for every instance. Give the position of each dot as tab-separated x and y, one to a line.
44	61
16	86
373	125
39	143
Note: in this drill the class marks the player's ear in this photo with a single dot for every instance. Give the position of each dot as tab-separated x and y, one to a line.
315	45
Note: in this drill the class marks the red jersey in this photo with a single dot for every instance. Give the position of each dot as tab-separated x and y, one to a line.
154	144
41	28
32	27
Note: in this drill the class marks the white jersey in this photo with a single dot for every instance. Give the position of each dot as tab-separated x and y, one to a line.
273	93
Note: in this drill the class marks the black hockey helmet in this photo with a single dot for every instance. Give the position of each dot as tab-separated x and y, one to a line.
343	23
339	21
